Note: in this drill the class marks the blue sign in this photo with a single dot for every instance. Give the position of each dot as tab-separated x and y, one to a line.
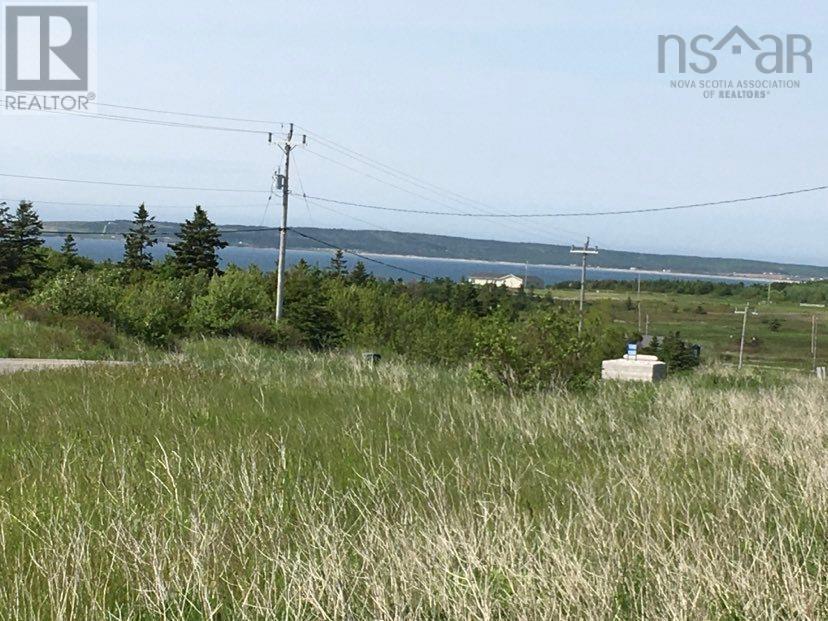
632	350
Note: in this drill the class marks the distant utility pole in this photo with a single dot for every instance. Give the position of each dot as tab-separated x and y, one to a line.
769	292
584	252
283	182
814	340
744	329
639	303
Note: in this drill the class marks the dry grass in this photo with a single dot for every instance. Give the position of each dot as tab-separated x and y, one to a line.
235	483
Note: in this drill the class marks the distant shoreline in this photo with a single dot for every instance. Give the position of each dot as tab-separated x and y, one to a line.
747	278
750	278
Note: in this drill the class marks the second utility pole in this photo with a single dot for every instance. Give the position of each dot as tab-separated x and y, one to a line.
814	340
584	252
285	182
744	330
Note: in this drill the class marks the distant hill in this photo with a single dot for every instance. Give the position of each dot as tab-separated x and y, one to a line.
443	246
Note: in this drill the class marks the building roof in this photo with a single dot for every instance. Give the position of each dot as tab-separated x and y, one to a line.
493	276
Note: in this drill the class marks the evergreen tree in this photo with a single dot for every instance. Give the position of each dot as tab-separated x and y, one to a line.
5	242
20	242
197	250
359	275
677	354
307	308
339	266
140	238
69	249
465	299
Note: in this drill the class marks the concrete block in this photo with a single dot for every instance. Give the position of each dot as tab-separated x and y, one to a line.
642	369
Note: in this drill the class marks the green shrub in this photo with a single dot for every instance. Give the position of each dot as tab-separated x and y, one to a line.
74	292
236	298
154	310
308	309
678	355
542	350
93	330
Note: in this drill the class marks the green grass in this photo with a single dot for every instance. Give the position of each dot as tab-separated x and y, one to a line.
231	481
29	339
718	329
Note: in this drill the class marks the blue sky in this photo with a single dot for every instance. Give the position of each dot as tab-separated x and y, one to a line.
526	107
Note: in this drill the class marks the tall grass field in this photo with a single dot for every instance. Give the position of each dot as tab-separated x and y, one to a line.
234	482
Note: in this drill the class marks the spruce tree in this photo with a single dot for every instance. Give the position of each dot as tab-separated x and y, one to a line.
141	237
359	275
21	241
197	250
307	308
5	242
339	266
69	249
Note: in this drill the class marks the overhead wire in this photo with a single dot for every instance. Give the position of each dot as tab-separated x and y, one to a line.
418	182
149	121
576	214
149	204
53	233
173	112
362	256
131	185
418	194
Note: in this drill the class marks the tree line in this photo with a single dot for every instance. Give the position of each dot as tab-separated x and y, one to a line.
811	292
517	340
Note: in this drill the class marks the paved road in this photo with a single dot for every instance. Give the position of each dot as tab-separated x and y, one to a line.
15	365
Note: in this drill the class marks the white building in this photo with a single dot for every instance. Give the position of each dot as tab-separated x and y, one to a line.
510	281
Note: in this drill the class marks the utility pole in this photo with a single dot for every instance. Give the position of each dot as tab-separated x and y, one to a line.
769	292
639	303
584	252
744	330
814	341
283	181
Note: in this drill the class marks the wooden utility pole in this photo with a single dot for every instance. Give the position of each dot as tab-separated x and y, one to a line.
284	181
639	303
744	330
584	252
814	341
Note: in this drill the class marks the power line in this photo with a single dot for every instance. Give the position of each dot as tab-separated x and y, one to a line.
397	172
143	121
575	214
149	121
349	216
132	185
456	211
422	183
53	233
174	113
361	256
193	115
388	170
56	233
121	205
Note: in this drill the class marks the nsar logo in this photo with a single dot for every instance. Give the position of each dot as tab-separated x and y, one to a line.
772	54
